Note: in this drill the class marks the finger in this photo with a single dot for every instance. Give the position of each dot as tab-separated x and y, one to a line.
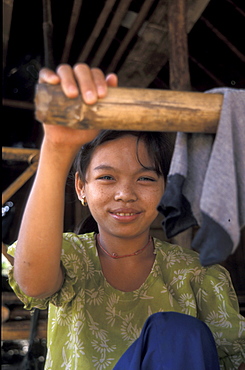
46	75
67	80
100	82
112	80
86	83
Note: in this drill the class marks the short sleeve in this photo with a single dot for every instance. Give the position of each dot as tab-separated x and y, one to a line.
219	309
71	263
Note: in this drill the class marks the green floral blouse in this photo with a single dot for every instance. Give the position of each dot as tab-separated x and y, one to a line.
91	324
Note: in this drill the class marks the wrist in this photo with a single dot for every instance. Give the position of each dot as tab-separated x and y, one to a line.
57	158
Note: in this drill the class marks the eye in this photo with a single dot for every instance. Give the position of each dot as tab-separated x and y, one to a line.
105	177
146	178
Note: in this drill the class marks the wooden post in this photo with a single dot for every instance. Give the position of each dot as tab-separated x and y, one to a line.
179	76
131	109
178	46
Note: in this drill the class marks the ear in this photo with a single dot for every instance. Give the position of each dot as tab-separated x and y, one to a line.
79	186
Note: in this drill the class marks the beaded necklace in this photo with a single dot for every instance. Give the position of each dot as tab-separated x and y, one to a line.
116	256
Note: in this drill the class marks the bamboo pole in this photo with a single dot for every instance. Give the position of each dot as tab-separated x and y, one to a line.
131	109
20	154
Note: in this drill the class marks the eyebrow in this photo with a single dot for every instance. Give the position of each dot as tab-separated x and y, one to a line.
107	167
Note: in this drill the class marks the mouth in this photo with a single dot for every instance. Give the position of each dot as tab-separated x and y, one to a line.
125	215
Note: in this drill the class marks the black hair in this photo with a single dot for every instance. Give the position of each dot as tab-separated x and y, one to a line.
158	144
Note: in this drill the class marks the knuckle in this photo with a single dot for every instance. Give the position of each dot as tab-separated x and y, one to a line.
79	66
97	72
62	67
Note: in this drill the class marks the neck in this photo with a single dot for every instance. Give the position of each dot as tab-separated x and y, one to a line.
114	255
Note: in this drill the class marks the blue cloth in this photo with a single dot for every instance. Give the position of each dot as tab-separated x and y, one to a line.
171	341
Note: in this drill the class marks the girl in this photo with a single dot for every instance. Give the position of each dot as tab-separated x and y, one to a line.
117	297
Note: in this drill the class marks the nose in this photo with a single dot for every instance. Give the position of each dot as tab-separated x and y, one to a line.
126	193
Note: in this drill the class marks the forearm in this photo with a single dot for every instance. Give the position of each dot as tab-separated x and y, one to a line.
37	260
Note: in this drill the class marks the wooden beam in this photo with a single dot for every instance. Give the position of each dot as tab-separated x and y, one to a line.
153	45
20	154
131	109
111	32
217	81
229	44
130	34
19	182
96	30
19	104
179	76
76	9
7	6
48	35
178	46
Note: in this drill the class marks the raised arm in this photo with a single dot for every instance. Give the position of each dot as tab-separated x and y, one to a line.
37	267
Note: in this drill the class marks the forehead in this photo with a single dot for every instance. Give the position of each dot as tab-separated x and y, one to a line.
125	149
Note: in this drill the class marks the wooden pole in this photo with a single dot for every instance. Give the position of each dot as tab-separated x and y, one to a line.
22	155
19	182
179	74
48	35
131	109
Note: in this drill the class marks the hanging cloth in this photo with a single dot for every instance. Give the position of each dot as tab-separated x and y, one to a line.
206	183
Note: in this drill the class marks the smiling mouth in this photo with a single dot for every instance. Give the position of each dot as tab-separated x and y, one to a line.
124	214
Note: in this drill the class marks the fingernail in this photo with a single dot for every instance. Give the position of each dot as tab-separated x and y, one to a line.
101	91
89	96
72	90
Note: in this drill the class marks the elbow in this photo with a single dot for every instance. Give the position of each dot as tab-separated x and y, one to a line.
31	289
36	287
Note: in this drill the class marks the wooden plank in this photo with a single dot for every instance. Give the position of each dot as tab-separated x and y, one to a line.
131	109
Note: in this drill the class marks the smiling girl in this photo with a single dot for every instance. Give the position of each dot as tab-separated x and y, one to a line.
117	298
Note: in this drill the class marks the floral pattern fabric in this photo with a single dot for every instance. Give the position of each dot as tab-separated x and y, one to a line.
91	324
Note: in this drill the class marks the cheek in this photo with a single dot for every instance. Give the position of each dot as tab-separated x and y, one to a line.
96	195
156	194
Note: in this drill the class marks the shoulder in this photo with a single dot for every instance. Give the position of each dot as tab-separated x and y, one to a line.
172	253
78	250
78	243
172	257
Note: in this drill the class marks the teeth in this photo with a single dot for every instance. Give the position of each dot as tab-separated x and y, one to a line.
125	214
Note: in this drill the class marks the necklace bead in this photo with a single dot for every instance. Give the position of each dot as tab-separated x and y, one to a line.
116	256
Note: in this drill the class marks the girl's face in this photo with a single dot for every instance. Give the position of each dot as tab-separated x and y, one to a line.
121	194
